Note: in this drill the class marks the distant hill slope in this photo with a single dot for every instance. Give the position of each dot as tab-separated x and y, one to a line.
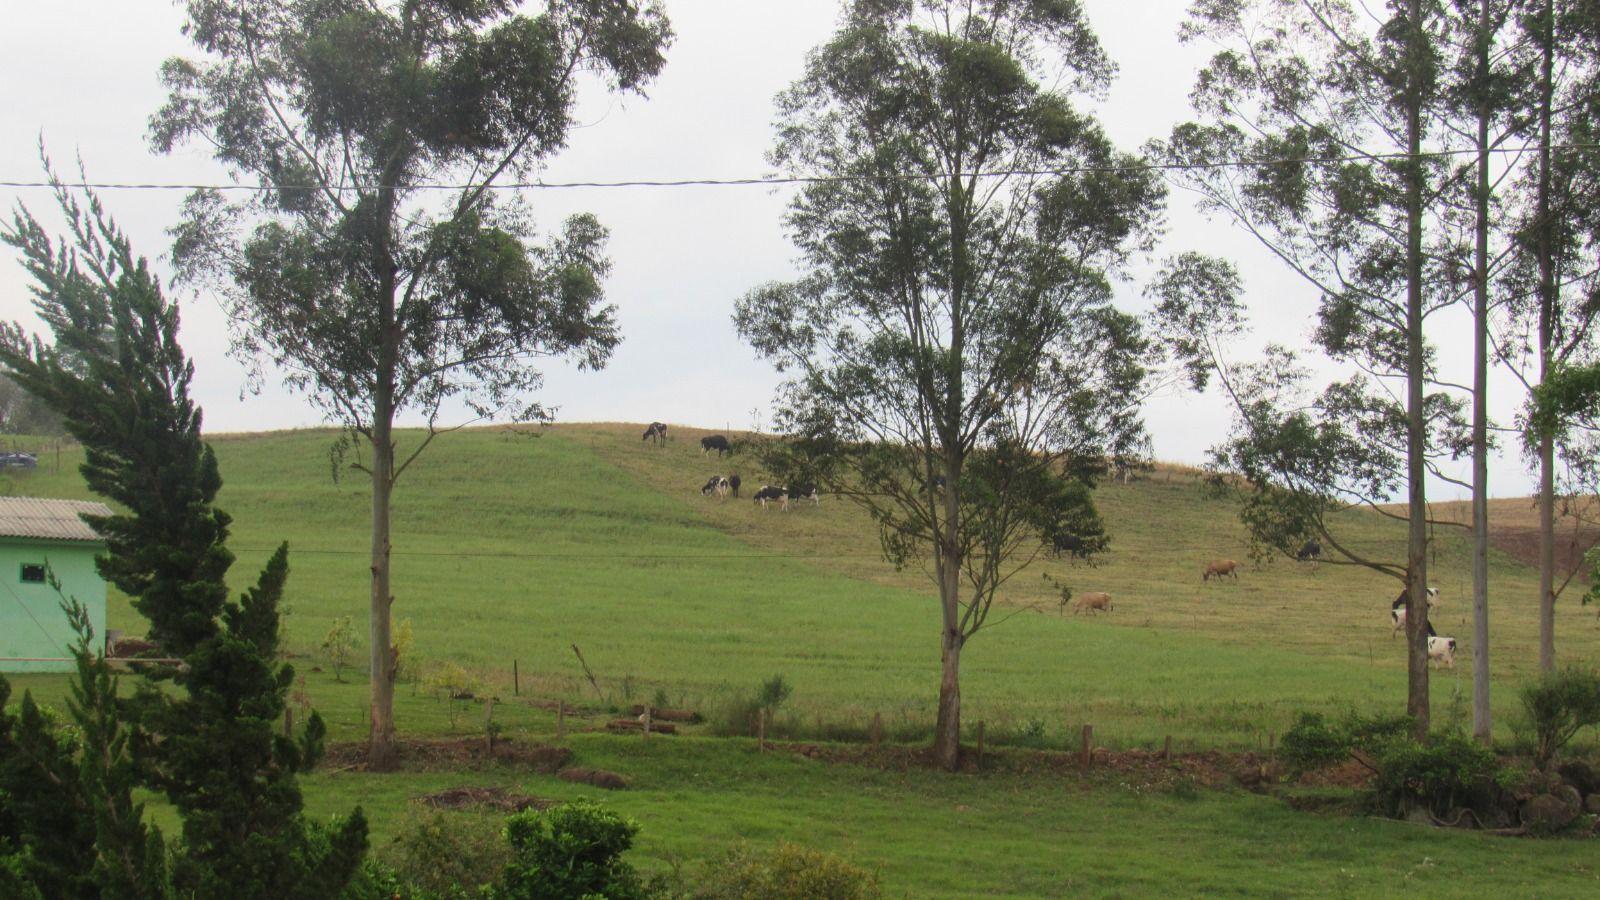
513	547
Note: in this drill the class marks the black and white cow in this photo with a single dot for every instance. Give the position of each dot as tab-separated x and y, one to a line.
1310	551
1442	650
715	442
1397	612
772	492
716	484
657	433
733	483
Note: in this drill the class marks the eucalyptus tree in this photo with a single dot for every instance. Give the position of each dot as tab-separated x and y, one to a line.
1553	288
1330	114
376	266
957	366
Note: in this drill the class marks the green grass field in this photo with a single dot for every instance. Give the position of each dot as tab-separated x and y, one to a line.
510	547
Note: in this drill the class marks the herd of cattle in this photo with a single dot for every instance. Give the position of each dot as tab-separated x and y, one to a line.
1441	649
728	485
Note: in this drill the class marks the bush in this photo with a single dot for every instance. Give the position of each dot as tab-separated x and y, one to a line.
1557	707
447	855
1313	743
1443	773
568	851
739	715
787	872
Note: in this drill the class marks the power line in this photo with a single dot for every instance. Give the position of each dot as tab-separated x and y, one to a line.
781	180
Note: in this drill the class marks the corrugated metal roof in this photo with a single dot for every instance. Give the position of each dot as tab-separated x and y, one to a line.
55	520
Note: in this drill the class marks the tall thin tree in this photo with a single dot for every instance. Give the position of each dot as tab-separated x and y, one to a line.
375	294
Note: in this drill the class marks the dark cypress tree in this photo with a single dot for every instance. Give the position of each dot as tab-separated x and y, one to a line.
121	382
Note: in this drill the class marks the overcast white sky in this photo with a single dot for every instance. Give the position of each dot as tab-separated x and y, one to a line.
83	74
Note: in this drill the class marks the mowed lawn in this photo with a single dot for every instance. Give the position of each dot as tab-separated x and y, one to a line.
510	547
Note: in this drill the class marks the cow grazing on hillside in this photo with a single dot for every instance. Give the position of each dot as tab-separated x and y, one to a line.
716	484
715	442
1310	551
1070	544
803	492
656	433
770	492
1219	568
733	483
1397	612
1091	602
1442	650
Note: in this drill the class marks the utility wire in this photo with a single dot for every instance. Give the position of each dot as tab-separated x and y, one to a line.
780	180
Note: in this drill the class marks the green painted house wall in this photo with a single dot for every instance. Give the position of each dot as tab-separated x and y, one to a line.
31	621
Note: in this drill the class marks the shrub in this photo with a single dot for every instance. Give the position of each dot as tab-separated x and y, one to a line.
739	714
1558	706
447	855
338	644
787	872
1313	743
1442	773
572	850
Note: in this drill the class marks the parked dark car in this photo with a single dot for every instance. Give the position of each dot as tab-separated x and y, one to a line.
15	460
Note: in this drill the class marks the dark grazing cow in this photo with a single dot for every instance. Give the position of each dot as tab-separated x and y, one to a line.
1310	551
733	483
716	484
715	442
657	433
1070	544
771	492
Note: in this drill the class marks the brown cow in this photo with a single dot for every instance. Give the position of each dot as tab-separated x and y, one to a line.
1219	568
1089	601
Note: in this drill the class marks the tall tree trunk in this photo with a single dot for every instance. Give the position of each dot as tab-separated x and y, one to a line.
1481	723
1416	422
947	729
1547	313
382	753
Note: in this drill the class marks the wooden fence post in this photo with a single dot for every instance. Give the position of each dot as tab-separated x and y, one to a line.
516	681
561	719
877	728
647	723
1087	754
761	730
488	727
1166	750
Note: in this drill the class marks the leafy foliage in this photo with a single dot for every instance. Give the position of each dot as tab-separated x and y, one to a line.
572	850
1558	706
119	378
1439	774
374	295
338	644
786	872
447	855
958	368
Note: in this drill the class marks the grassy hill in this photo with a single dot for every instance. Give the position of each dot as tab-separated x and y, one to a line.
511	548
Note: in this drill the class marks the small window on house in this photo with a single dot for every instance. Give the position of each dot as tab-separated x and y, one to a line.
33	573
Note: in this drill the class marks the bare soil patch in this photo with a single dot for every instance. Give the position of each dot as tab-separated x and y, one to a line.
448	754
1136	768
498	798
